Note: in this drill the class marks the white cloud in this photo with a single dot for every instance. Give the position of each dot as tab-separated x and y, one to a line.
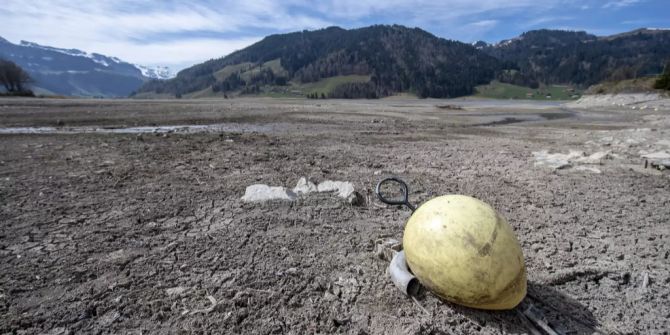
425	8
543	20
177	54
620	3
136	31
484	24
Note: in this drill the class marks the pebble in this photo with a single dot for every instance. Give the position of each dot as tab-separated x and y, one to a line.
175	291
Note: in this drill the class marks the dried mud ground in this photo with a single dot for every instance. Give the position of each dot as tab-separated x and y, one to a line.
146	233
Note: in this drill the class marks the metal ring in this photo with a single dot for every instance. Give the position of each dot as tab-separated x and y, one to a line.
405	191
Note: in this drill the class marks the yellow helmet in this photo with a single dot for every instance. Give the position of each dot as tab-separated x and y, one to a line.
464	251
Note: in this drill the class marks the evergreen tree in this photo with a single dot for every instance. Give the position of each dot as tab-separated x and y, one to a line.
663	82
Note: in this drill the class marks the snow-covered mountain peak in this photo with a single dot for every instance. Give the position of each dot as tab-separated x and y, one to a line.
156	72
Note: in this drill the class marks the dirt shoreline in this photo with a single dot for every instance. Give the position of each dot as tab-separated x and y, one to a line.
134	233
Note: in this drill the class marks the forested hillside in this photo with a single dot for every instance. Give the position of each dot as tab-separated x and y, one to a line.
578	58
396	58
393	59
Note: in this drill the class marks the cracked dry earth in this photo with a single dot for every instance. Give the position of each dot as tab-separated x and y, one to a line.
144	234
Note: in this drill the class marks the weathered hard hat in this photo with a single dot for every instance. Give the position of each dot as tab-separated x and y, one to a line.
464	251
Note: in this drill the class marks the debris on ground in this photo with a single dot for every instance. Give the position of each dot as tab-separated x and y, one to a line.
594	158
659	159
262	192
400	275
387	248
588	169
575	158
344	189
659	155
304	186
633	101
557	160
175	291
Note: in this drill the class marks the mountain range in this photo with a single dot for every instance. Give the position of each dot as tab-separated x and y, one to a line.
382	60
368	62
74	72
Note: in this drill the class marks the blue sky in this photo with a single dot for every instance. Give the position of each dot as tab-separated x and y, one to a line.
182	33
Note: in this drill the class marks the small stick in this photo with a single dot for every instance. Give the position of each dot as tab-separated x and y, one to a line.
419	304
533	330
538	320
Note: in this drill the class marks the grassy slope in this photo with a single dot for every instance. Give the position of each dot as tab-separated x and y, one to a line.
230	69
292	90
247	70
326	85
639	85
498	90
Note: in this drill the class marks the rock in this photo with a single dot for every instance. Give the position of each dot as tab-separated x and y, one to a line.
261	192
109	318
659	155
659	159
572	158
121	256
356	199
344	189
537	247
175	291
346	288
645	280
556	161
329	297
595	158
588	169
304	186
386	248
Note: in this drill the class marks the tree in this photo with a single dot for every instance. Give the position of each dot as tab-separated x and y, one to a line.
663	82
13	77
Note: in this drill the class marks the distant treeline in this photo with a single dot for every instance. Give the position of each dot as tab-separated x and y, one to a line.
400	59
577	58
